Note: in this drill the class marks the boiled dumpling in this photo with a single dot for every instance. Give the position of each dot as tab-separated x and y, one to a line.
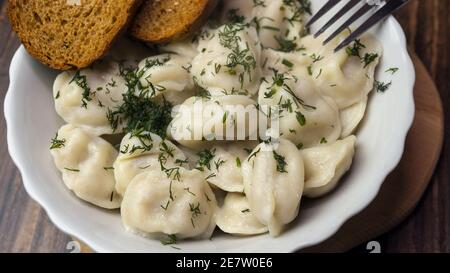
305	117
83	98
326	164
294	63
222	164
348	75
352	116
198	122
168	75
177	202
273	183
280	23
229	62
85	161
143	151
235	216
186	48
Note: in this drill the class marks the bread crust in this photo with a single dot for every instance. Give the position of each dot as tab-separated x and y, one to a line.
141	27
62	58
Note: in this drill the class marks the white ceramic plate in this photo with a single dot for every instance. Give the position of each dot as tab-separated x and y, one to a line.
32	122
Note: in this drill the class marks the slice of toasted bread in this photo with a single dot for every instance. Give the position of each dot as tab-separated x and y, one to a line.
66	34
160	21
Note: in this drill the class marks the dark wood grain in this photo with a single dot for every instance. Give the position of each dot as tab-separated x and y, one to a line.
24	226
427	24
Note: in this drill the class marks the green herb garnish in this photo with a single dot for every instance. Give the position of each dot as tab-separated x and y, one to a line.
205	159
300	118
57	143
281	162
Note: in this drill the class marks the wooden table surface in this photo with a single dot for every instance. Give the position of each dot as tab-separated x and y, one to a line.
25	227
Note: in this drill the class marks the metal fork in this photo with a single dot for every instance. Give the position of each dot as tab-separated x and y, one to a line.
383	11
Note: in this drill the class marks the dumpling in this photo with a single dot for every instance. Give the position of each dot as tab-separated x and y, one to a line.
86	161
305	117
229	61
279	22
352	116
273	183
141	152
348	75
82	98
294	63
326	164
168	75
186	48
222	164
177	202
198	122
235	217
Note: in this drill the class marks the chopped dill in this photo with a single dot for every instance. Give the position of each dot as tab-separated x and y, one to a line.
300	118
287	63
369	58
219	163
181	162
239	57
281	162
254	154
189	191
286	45
382	87
354	50
72	170
138	111
171	240
205	159
57	143
392	70
81	81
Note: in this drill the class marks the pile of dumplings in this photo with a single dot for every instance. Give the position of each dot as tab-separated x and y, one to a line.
257	53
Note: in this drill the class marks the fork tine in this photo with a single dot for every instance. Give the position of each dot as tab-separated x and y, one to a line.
387	9
363	10
338	15
329	5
